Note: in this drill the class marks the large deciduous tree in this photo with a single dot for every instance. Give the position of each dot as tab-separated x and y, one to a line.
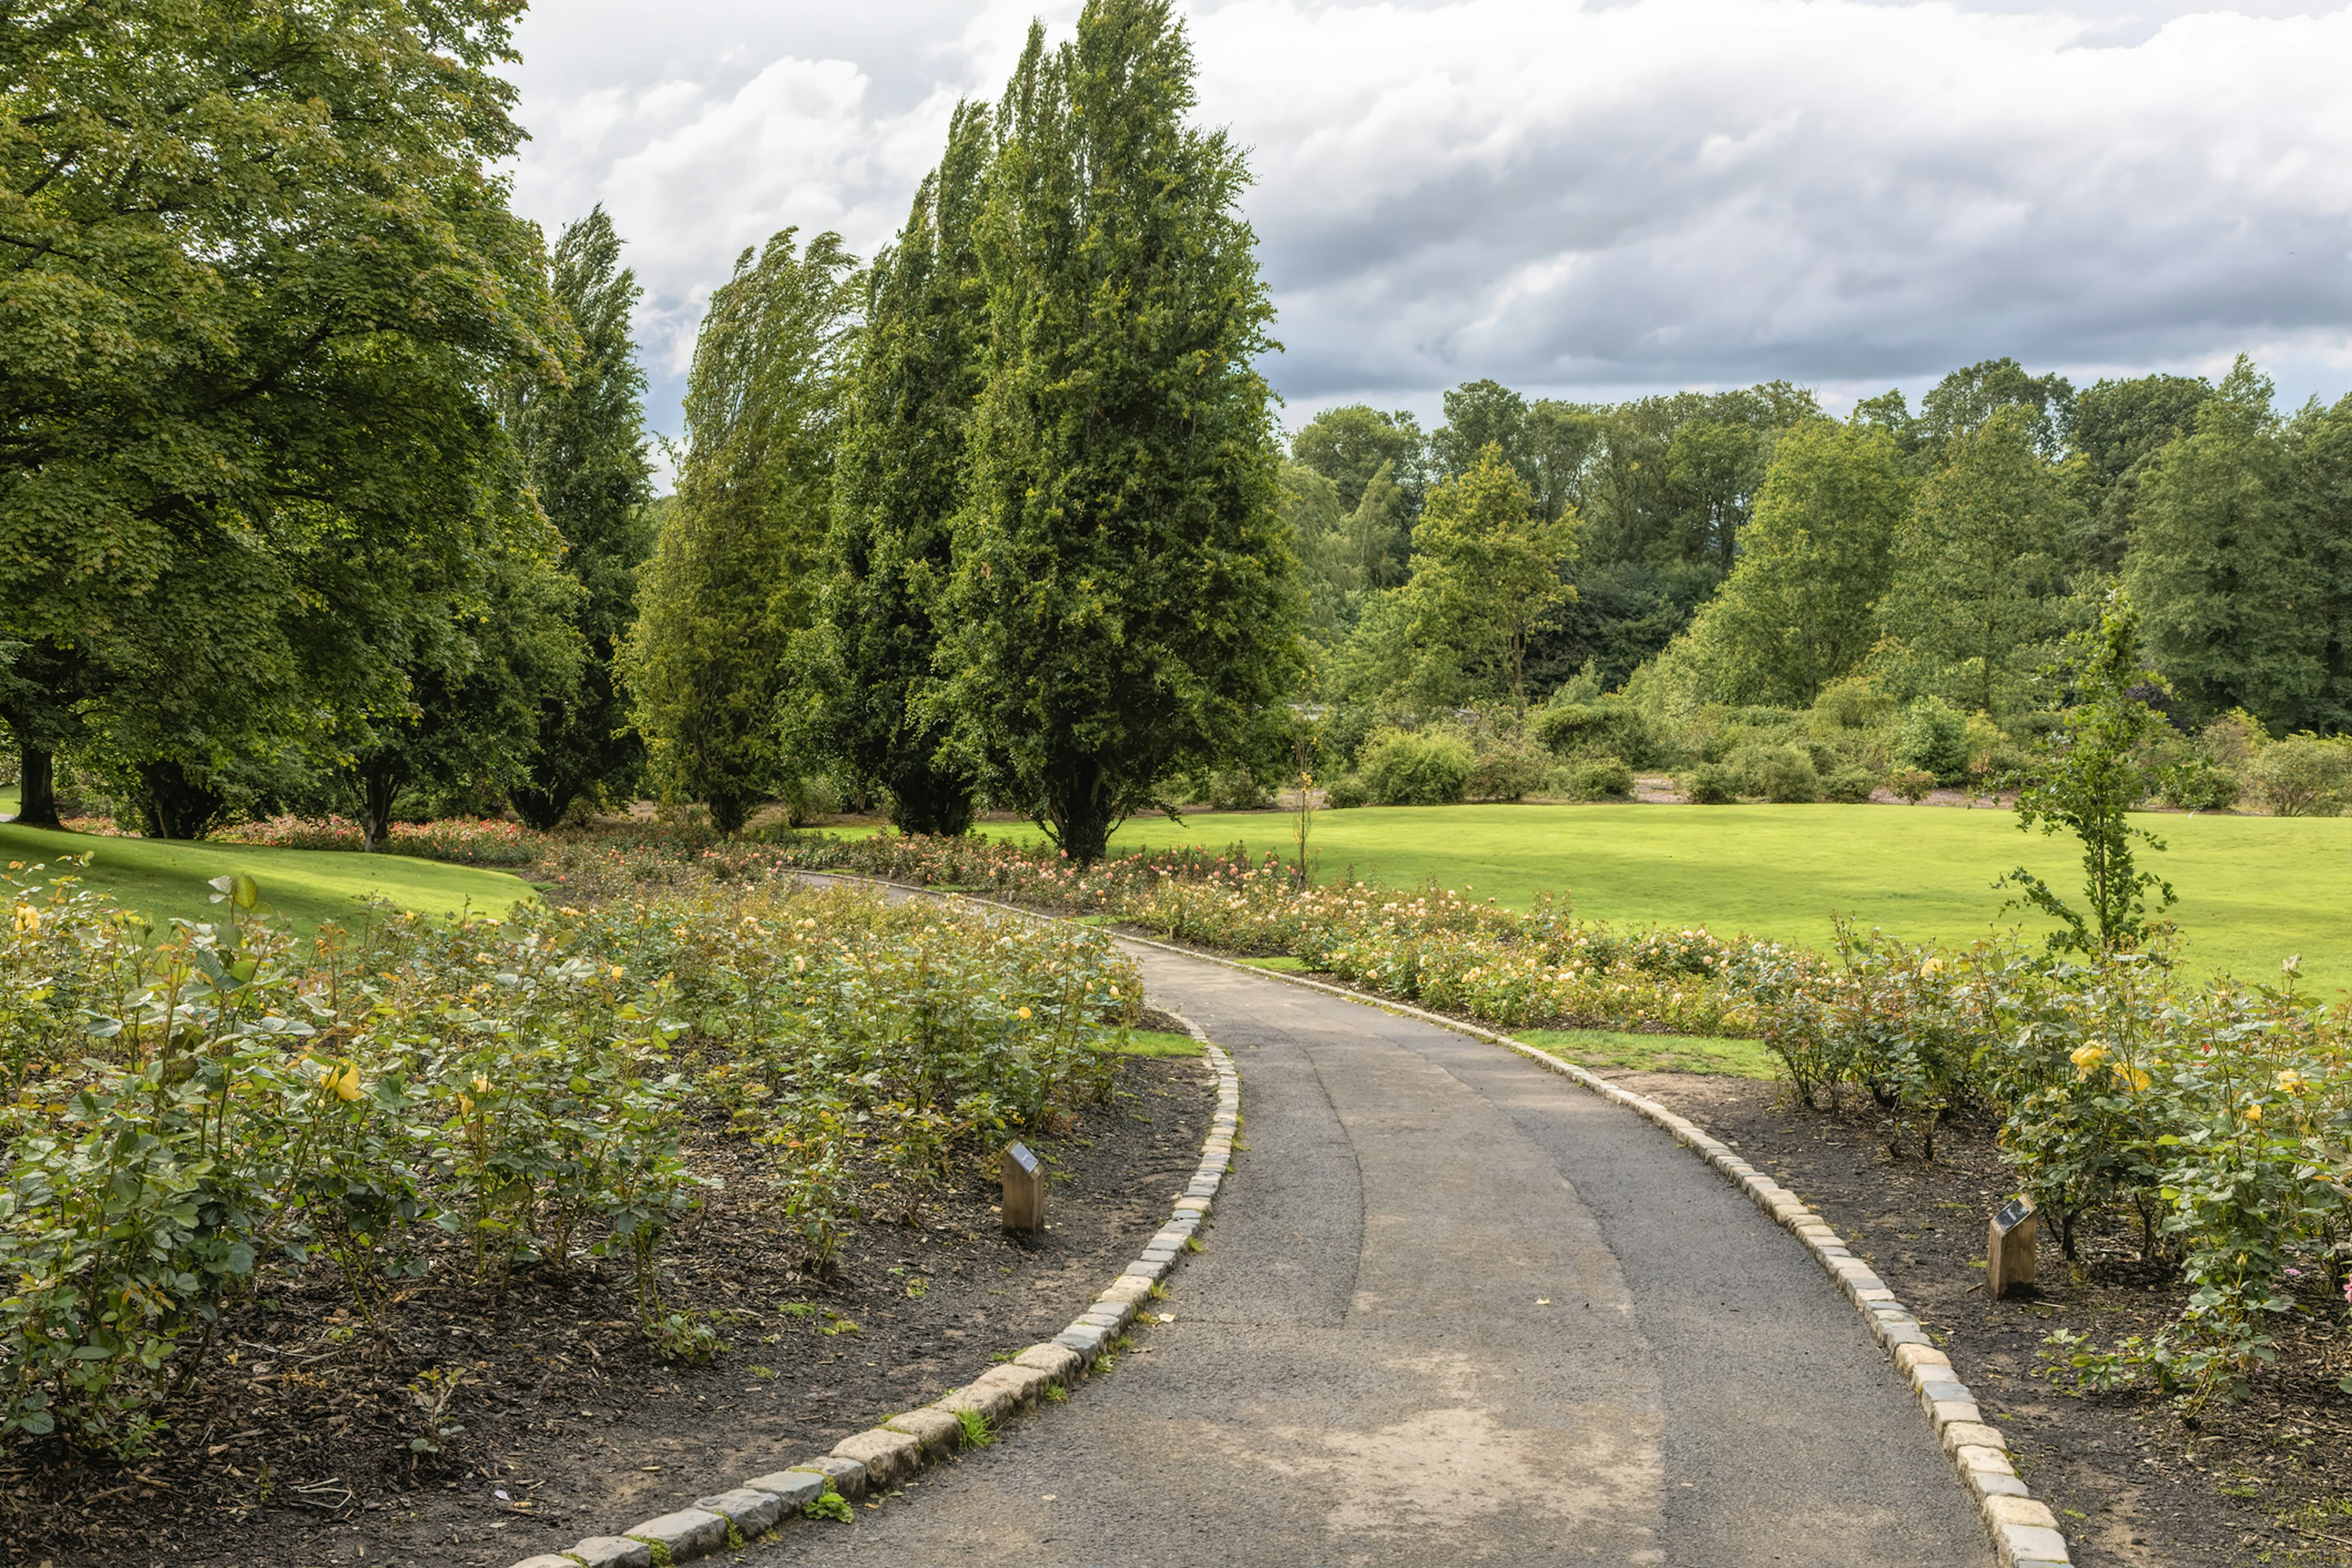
582	448
1123	595
1486	573
734	573
1797	611
2239	599
1979	577
868	668
255	277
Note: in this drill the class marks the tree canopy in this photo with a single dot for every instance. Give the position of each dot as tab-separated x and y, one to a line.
1123	601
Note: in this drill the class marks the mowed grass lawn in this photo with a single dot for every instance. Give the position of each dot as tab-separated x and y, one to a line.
164	879
2252	888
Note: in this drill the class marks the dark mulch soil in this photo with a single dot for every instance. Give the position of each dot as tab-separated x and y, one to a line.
294	1449
2133	1482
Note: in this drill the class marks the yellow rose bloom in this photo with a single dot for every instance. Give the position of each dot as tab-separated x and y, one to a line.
28	918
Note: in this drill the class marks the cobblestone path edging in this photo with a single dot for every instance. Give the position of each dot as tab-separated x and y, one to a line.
2024	1532
878	1459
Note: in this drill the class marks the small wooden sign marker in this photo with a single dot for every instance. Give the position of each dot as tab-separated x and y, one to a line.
2009	1247
1024	1189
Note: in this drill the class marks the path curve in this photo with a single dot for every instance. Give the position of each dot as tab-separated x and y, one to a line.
1453	1309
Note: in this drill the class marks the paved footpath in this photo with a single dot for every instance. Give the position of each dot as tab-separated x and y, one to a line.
1451	1310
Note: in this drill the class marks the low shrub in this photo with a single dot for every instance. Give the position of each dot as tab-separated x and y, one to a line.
1596	778
1850	786
1346	791
1232	789
1504	769
1934	740
1713	784
1785	777
1606	727
1408	767
2304	775
2199	783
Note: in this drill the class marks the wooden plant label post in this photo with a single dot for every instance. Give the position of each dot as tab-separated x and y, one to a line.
2009	1247
1024	1190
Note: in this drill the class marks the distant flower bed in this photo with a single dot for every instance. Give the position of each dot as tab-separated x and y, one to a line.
464	840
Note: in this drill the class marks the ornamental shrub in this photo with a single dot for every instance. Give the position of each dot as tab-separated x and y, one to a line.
1785	777
2304	775
1346	791
1933	739
1425	767
1596	778
192	1117
1713	784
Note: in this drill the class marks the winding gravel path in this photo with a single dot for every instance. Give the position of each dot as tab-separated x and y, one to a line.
1453	1309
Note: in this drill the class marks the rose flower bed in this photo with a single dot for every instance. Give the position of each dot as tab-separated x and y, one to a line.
395	1171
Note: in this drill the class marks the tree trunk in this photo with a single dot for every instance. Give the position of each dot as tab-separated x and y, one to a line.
1081	815
728	813
36	790
379	787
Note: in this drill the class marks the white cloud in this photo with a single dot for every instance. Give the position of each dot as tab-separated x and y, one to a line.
1586	199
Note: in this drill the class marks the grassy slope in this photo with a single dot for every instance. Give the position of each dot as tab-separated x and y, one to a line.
2252	888
165	880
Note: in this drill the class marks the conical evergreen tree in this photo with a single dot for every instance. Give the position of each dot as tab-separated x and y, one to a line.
868	669
583	451
1124	598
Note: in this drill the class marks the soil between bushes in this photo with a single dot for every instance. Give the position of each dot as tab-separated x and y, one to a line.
2133	1484
294	1448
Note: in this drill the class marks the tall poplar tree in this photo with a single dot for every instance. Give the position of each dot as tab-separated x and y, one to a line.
583	447
1123	599
734	573
869	665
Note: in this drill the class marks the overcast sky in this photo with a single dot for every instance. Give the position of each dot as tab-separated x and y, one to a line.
1578	200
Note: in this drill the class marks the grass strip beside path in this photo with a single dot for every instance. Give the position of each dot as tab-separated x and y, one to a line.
167	878
1616	1050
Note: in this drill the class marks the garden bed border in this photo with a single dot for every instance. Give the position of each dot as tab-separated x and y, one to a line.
880	1458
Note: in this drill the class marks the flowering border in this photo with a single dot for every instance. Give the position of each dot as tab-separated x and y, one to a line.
883	1455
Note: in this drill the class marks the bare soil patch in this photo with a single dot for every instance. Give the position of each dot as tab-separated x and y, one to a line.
294	1447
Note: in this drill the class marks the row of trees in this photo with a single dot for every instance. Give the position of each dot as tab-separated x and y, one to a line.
318	476
1741	549
322	480
997	516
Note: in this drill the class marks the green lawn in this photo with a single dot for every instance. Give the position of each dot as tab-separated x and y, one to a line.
2252	888
1158	1043
1616	1050
167	878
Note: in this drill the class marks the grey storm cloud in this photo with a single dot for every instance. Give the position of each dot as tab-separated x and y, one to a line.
1574	198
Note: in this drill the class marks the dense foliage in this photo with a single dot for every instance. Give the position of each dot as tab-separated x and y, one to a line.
255	277
187	1117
